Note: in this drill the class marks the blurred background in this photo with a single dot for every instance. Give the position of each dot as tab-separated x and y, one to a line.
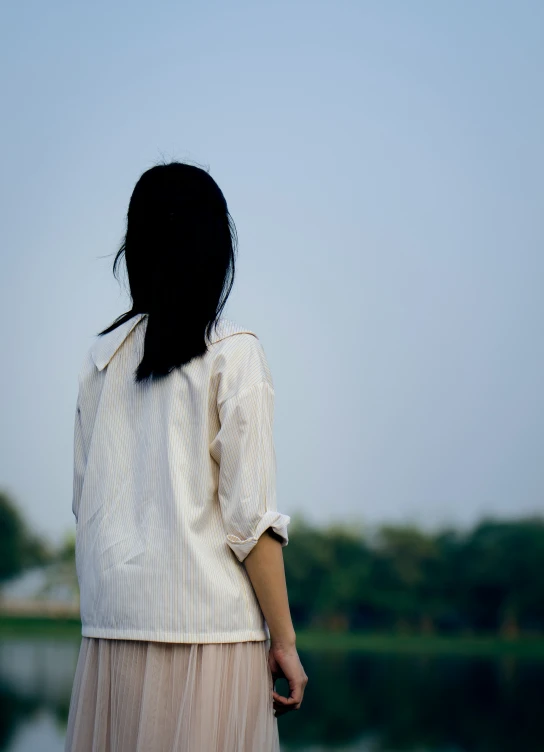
383	164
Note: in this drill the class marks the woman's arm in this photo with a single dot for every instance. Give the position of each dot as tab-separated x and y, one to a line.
264	565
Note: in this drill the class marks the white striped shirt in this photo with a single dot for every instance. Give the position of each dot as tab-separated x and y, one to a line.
174	483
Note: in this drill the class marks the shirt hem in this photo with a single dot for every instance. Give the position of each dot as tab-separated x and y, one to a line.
257	635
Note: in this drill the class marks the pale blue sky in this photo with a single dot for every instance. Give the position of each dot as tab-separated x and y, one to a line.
383	162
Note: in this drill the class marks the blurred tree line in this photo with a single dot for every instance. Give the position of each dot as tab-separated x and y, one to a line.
484	580
21	549
397	577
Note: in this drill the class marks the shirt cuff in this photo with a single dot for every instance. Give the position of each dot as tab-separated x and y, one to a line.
277	521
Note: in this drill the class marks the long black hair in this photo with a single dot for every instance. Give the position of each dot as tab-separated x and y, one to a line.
179	247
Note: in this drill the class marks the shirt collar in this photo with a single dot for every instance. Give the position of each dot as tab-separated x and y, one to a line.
106	345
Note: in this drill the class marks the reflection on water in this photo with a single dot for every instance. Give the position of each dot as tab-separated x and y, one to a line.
41	732
35	684
353	703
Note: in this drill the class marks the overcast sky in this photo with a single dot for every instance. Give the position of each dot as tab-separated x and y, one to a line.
383	162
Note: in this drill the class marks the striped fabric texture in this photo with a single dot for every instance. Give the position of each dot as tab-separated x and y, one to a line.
174	483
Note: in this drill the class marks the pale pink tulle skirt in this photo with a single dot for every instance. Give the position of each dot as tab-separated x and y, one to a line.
136	696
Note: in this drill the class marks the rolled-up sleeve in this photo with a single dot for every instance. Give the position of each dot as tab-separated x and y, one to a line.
246	454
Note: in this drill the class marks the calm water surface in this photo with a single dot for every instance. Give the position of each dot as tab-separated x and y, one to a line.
354	702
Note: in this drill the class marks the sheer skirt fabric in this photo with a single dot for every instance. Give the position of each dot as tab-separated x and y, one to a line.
137	696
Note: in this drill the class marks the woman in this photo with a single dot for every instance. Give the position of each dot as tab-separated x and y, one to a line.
185	617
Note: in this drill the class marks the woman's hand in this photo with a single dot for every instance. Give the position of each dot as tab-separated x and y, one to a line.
285	664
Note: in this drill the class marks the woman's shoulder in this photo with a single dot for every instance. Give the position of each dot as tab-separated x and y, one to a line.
227	329
241	360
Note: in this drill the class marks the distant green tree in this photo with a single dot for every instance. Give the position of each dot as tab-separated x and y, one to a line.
342	592
66	552
325	570
500	586
403	576
305	570
19	548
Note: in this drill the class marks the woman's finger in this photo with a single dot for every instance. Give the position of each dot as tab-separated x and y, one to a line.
296	691
282	699
282	710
